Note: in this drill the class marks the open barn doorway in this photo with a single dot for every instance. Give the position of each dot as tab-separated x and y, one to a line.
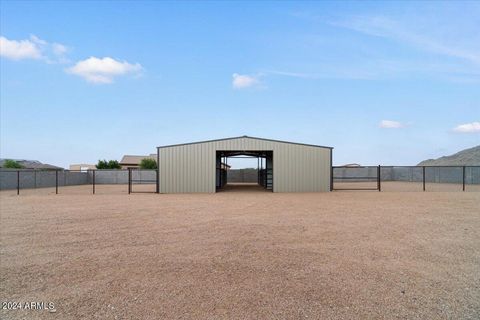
244	171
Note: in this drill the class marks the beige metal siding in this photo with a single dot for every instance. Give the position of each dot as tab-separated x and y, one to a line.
296	168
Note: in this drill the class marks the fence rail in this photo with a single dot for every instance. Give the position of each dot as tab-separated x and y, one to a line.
142	178
425	177
134	180
380	178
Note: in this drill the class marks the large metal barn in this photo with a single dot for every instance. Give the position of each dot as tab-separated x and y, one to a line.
283	166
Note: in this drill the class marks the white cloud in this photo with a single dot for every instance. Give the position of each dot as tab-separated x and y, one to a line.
390	124
473	127
38	41
59	49
18	50
33	48
60	53
103	70
242	81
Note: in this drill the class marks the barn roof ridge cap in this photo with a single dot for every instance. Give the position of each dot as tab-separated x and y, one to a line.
245	136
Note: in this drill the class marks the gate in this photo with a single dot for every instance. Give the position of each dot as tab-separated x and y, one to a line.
142	180
265	178
356	178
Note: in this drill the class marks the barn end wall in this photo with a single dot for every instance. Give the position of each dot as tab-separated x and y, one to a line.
191	167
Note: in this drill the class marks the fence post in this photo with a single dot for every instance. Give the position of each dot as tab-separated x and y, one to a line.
266	173
331	176
18	182
379	183
463	178
129	180
423	172
258	170
93	181
56	181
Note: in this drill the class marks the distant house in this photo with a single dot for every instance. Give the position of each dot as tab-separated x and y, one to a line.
351	165
82	167
32	164
130	161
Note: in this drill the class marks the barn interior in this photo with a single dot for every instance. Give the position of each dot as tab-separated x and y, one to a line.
264	171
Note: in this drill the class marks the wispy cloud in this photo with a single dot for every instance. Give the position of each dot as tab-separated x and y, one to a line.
60	51
243	81
33	48
103	70
390	28
327	73
293	74
473	127
440	41
390	124
246	81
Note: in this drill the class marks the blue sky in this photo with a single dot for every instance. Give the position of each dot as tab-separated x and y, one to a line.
381	82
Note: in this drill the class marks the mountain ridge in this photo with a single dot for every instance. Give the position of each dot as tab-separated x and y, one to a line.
466	157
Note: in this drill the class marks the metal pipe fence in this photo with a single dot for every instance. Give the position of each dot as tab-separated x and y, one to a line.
79	181
406	178
378	178
142	181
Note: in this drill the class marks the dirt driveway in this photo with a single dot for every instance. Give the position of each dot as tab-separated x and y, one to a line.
341	255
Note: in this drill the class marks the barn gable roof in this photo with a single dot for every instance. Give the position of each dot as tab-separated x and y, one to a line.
249	137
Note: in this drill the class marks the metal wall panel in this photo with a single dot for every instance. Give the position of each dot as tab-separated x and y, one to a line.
296	167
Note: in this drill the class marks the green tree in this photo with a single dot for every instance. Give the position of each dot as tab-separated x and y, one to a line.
102	164
148	163
12	164
111	164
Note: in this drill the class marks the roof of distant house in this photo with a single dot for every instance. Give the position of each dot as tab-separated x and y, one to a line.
351	165
32	164
129	159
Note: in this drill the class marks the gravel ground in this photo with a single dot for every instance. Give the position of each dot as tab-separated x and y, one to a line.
251	255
